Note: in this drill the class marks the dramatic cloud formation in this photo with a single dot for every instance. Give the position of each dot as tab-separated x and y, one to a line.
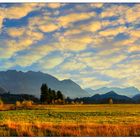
94	44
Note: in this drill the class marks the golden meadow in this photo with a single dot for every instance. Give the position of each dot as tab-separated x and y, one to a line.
70	120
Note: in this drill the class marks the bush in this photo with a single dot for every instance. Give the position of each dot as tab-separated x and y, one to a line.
67	102
81	102
72	102
27	103
18	104
1	103
110	101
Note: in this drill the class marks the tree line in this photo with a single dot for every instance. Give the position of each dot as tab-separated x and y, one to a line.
49	96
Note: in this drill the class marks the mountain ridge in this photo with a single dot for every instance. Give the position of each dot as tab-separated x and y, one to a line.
128	91
18	82
104	98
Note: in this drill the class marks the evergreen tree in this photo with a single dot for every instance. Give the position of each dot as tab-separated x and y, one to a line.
44	93
49	96
53	96
59	95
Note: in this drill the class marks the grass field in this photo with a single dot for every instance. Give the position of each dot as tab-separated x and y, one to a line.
72	120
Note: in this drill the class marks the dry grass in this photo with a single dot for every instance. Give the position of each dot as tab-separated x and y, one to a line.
70	120
66	129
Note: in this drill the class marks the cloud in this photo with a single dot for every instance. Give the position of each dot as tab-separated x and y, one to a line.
108	23
48	27
66	20
71	32
93	82
44	23
21	10
34	35
125	42
18	11
100	62
1	21
51	62
15	32
21	39
135	33
124	13
73	65
54	5
86	40
133	82
14	46
97	5
6	65
93	26
113	31
73	43
32	56
114	10
124	70
134	49
111	51
132	14
126	73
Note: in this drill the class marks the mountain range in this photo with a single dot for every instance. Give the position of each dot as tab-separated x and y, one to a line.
18	82
129	91
104	99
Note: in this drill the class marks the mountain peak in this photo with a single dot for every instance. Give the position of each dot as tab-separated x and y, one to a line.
11	71
111	93
68	81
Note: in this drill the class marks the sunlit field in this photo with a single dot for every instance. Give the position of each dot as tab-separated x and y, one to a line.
71	120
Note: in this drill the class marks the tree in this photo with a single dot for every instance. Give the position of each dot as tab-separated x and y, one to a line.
110	101
49	96
68	100
44	93
53	96
59	95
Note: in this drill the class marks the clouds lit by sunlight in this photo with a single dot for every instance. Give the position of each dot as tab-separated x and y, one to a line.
94	44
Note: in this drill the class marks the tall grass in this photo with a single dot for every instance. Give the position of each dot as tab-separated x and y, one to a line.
69	120
67	129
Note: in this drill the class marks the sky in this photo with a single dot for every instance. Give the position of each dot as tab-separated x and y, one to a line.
94	44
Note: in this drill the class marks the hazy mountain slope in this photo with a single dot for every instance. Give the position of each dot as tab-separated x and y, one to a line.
129	91
2	90
137	98
18	82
